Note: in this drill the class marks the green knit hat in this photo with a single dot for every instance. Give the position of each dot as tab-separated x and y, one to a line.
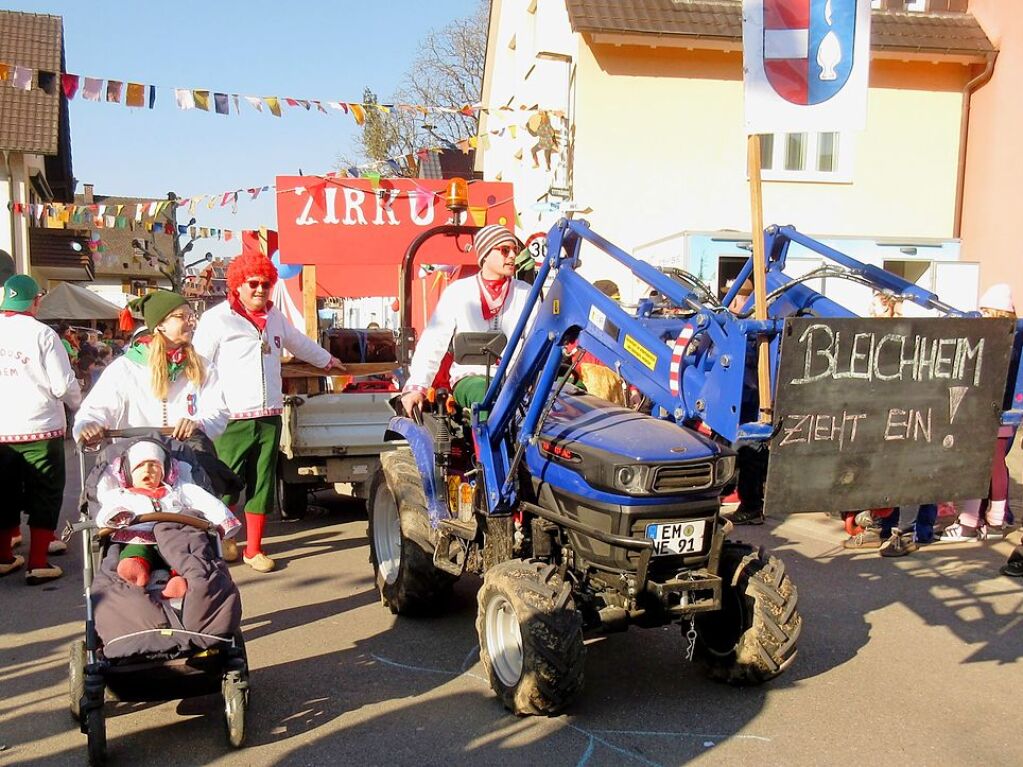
155	306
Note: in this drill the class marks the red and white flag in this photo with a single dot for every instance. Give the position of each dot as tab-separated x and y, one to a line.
806	64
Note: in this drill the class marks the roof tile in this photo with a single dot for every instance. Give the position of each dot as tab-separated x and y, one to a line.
29	120
937	33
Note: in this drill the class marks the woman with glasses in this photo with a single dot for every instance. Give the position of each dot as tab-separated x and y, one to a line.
491	301
245	337
160	381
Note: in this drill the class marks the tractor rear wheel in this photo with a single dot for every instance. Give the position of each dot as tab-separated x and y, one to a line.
531	637
401	540
753	637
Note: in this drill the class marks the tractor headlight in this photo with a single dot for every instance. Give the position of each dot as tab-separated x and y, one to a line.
724	469
632	478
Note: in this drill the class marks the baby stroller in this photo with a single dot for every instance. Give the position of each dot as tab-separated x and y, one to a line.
140	646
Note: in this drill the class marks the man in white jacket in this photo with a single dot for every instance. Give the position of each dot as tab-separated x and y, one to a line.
491	301
36	382
244	338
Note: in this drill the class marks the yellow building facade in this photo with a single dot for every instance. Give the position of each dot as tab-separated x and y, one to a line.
651	140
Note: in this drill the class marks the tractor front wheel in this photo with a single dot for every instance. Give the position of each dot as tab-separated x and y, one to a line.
753	637
531	637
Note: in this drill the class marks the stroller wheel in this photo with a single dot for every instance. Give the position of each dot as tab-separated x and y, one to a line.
96	728
236	700
76	679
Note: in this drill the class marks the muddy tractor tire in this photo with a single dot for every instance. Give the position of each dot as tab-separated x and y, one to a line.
401	540
753	637
531	637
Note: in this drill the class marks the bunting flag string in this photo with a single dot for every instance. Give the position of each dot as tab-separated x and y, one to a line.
137	95
145	213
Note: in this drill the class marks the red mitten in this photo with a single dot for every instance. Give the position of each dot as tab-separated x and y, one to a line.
176	588
134	570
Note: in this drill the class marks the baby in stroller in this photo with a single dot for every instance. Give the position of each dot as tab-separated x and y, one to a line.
161	586
148	481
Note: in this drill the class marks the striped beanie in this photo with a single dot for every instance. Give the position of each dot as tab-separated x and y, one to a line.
488	238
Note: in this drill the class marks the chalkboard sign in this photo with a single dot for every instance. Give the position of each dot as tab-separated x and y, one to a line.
884	412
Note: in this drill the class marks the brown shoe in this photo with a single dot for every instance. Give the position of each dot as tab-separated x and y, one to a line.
229	549
40	575
6	568
261	563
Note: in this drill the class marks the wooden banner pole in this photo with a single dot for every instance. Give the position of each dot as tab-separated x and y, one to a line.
759	275
312	320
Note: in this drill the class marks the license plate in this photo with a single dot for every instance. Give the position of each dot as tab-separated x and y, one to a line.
676	537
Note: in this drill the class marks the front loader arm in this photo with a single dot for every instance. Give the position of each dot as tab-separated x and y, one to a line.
636	347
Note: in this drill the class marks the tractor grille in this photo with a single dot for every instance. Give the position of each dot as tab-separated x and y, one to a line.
683	476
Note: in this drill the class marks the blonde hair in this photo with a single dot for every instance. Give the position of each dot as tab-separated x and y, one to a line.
159	378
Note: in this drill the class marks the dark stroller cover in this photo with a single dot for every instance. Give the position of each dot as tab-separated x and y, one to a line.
131	620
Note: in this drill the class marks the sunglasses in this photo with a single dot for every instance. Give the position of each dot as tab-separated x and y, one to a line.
505	250
264	284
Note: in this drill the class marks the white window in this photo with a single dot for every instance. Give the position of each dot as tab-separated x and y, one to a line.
820	157
877	5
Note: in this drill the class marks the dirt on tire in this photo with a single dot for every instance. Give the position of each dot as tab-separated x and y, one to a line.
419	588
753	638
553	654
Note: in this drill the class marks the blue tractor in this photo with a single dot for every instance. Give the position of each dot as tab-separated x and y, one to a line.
582	516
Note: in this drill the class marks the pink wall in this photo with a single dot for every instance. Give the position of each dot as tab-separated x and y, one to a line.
993	190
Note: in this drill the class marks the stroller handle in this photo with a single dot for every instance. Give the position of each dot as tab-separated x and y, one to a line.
163	516
111	434
140	431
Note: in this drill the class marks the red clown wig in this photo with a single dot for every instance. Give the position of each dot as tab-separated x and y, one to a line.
249	265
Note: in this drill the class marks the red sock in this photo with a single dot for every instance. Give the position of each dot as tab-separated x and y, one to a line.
6	554
254	524
38	545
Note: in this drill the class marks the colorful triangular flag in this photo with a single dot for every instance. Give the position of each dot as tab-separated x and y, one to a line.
70	85
184	98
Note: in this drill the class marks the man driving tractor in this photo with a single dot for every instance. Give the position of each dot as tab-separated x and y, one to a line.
490	301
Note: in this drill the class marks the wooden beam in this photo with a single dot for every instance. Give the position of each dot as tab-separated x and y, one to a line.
312	320
759	275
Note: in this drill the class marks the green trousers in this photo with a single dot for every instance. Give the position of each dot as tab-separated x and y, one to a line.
470	390
249	448
32	475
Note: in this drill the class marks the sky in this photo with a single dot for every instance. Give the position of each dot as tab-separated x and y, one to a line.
329	50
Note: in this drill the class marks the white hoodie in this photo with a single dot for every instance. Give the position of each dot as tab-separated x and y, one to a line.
117	499
36	381
249	361
123	398
459	311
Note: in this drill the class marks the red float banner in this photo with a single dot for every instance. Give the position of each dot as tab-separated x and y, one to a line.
356	231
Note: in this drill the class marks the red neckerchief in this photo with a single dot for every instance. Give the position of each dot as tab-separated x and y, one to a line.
258	319
7	313
174	356
157	493
493	294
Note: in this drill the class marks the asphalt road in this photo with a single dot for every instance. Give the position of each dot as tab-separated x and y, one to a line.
911	660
